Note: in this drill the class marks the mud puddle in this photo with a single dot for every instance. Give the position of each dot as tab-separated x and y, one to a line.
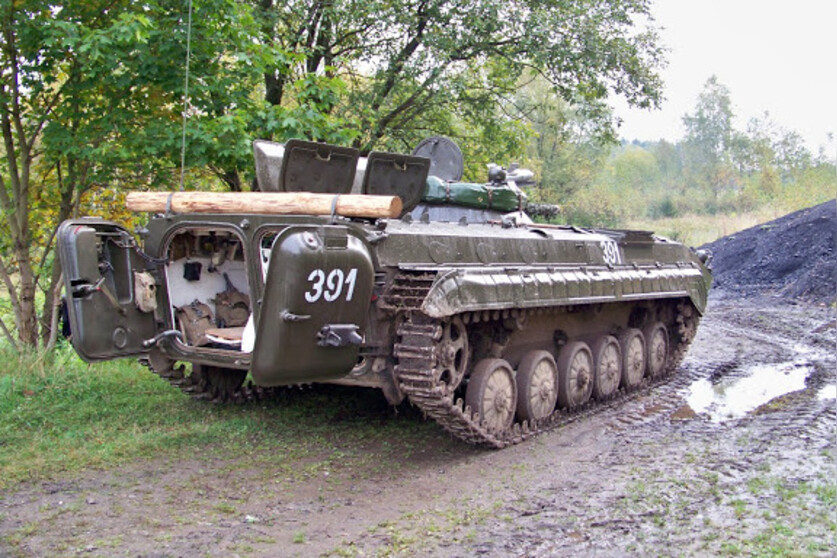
743	389
828	392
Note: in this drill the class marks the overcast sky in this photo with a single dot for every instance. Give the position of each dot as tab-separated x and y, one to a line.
775	56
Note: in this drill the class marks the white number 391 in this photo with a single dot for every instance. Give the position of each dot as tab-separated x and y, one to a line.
330	286
610	252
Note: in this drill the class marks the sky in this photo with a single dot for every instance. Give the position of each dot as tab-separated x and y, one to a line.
772	55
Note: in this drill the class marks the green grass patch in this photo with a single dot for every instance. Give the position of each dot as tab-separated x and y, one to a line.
696	230
798	519
59	415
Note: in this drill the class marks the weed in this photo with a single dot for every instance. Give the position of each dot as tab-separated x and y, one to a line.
731	548
756	485
345	551
739	508
225	508
112	542
299	537
827	494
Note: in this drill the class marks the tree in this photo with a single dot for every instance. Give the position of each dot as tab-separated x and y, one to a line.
409	64
46	58
91	93
709	136
90	99
567	149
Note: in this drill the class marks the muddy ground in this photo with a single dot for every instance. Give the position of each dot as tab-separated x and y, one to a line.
697	467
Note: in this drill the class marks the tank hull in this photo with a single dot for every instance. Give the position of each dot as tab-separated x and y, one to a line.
497	329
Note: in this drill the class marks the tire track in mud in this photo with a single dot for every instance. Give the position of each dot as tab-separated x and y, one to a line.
671	480
669	401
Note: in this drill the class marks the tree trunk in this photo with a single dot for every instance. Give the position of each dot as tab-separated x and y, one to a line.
28	321
66	208
232	179
54	311
51	301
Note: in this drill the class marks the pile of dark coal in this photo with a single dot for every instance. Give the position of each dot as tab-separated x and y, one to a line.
793	257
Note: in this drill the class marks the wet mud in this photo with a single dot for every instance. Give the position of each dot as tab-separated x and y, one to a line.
734	455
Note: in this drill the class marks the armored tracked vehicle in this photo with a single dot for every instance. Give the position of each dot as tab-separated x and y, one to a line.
496	327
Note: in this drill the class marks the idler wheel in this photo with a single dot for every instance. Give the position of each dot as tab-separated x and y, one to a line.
492	392
607	355
633	357
537	385
575	374
656	346
452	355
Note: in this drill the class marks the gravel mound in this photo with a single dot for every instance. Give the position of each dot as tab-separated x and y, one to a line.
793	257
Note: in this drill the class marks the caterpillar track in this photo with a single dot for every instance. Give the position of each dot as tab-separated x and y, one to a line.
417	372
212	384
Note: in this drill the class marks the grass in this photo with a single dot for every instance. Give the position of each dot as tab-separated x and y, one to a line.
795	518
59	416
696	230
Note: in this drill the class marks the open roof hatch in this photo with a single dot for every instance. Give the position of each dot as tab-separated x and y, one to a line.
304	166
393	174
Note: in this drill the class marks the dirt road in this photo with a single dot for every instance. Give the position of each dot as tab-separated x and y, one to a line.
710	463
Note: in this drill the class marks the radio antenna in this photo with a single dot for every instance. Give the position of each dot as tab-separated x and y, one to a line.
186	98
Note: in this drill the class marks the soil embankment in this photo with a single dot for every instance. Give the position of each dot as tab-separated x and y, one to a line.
793	257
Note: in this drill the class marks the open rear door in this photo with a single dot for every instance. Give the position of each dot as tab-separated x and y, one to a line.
111	296
315	308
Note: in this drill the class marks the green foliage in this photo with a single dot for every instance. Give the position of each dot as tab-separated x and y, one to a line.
410	65
566	149
93	94
717	171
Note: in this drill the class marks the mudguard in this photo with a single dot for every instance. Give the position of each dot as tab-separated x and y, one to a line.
490	288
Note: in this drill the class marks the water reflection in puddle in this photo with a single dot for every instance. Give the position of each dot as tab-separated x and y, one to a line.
732	398
828	392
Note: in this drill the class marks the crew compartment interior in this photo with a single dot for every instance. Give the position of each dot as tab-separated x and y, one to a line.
208	288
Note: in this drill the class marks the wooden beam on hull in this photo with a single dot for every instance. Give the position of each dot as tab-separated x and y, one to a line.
266	203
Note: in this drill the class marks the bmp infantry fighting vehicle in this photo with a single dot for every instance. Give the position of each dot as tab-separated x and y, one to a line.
385	271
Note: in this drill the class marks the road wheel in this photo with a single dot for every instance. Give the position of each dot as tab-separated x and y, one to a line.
537	385
492	392
575	374
632	343
656	348
607	356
